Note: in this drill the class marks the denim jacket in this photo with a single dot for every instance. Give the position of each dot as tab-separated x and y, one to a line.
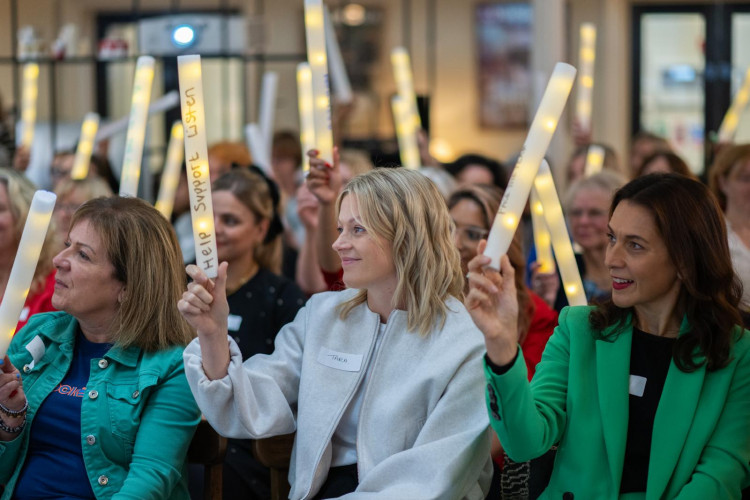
137	416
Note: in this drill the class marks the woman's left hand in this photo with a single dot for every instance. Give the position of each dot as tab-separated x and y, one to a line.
11	395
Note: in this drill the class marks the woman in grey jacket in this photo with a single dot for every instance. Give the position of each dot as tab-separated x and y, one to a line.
382	382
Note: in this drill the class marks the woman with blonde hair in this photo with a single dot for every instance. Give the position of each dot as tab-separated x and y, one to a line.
261	301
380	380
16	193
102	380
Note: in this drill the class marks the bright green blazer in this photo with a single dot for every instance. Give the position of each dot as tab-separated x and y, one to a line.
578	399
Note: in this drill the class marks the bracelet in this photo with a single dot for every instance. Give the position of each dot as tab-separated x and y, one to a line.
15	413
12	430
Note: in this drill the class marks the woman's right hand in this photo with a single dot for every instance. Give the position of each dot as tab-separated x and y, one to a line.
323	179
204	304
493	305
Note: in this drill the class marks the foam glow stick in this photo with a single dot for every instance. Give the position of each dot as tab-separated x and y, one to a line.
166	102
268	106
342	87
536	144
256	143
170	176
196	163
594	160
85	146
585	89
542	239
131	163
306	119
553	216
406	134
318	59
22	272
405	82
732	118
29	94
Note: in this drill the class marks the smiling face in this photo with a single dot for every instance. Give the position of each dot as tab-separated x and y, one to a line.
468	217
367	259
85	283
238	230
643	274
588	218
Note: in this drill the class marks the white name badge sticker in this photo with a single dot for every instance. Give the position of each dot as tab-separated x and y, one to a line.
340	360
234	322
637	385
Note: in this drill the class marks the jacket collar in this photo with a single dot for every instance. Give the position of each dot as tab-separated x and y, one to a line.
674	414
61	329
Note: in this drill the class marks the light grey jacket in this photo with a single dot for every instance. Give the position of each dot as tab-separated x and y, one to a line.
422	429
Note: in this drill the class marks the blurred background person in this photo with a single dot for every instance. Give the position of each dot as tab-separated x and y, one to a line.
664	162
642	145
478	169
729	179
71	194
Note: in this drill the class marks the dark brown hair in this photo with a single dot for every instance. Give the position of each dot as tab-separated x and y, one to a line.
692	226
488	200
676	164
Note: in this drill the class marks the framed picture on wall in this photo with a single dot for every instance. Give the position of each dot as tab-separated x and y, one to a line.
504	37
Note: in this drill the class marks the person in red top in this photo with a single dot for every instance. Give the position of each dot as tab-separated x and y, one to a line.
473	208
16	193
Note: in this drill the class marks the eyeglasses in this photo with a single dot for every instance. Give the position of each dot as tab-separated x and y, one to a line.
591	214
471	234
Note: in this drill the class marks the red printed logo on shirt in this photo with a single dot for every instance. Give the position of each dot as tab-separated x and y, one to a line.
69	390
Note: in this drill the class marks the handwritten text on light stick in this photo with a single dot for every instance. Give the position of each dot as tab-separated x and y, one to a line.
196	163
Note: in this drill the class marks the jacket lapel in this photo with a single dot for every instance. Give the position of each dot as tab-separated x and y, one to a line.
613	375
674	417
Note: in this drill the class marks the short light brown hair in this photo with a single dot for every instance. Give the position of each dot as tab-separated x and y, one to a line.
143	248
407	210
722	166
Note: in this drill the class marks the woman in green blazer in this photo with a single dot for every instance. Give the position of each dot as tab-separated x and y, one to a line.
647	395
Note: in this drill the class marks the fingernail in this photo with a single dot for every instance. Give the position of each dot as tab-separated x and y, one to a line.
329	165
315	152
18	375
2	361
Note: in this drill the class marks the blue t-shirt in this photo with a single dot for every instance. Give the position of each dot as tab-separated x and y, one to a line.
54	462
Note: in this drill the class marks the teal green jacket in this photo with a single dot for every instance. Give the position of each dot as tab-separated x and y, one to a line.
578	399
137	417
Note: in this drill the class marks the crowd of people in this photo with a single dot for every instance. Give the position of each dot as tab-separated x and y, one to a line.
354	307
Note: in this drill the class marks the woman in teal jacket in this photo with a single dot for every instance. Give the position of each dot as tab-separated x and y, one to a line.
647	395
93	399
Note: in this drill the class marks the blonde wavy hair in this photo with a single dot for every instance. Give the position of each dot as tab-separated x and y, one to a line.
406	209
20	193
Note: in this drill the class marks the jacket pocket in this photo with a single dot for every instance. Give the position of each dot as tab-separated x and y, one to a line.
126	400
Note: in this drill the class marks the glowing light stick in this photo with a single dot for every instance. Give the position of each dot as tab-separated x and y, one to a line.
85	146
170	176
585	89
342	87
536	144
318	59
268	106
29	94
196	163
553	216
594	160
732	118
166	102
542	239
22	272
405	82
131	163
407	136
306	118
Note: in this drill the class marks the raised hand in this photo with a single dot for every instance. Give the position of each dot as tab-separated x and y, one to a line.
493	305
12	397
324	180
204	304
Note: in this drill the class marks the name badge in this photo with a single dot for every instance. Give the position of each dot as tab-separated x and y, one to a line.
234	322
340	360
637	385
